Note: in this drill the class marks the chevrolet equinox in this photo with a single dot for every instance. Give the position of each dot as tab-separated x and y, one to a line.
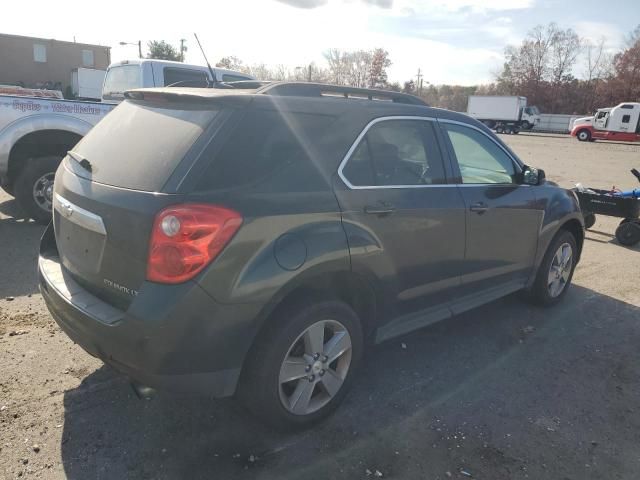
254	242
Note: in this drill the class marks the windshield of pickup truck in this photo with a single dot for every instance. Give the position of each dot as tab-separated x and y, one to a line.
138	146
120	79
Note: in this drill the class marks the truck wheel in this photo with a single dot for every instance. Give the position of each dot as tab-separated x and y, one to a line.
499	129
34	187
301	369
584	135
526	125
589	220
628	232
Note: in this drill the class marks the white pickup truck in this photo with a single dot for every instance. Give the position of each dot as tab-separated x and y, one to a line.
36	133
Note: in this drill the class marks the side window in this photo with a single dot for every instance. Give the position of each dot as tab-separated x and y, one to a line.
183	77
233	78
626	118
271	151
480	159
627	107
396	153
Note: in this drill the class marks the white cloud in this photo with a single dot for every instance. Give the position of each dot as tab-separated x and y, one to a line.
594	31
272	32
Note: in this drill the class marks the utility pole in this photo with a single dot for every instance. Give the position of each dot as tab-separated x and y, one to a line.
310	70
419	82
139	48
182	49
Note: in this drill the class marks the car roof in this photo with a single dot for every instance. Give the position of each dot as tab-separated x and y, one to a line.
311	98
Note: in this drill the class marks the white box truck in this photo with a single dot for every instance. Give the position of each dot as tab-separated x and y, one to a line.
504	114
86	83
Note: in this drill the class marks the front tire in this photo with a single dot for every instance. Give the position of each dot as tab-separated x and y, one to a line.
302	368
556	270
584	135
526	125
33	188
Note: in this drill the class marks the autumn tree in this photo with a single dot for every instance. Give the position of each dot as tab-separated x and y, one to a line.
161	50
626	66
378	72
231	63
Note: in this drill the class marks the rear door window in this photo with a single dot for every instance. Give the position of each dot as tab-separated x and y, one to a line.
272	150
138	146
396	153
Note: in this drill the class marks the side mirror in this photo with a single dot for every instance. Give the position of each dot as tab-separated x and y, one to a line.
533	176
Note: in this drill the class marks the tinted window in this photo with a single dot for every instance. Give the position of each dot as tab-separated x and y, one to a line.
183	77
626	118
480	159
137	146
272	150
396	153
233	78
627	107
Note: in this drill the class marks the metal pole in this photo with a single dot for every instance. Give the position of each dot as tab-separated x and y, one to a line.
139	48
310	66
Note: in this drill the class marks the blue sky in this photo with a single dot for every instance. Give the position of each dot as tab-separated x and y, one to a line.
452	41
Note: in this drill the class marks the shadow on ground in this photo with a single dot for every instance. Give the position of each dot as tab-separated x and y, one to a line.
19	242
507	391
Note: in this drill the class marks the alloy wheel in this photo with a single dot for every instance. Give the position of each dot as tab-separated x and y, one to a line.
315	367
560	270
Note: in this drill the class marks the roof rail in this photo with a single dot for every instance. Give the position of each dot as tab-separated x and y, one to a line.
303	89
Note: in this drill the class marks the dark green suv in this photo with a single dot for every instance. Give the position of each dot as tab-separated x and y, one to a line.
254	242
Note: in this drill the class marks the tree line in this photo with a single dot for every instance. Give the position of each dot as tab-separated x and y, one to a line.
542	68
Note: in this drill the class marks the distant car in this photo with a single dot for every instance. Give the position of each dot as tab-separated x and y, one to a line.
253	242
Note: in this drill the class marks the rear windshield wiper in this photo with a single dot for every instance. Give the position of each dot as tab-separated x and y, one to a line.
83	162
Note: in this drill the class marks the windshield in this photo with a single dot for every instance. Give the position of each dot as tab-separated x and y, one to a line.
119	79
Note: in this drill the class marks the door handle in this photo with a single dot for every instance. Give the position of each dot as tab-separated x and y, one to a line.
479	208
381	209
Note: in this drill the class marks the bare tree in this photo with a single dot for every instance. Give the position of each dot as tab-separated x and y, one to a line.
565	48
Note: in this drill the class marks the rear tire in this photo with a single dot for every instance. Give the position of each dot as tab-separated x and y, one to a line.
287	382
628	232
584	135
33	188
556	270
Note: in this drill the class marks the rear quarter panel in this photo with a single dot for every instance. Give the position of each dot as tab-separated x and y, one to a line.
285	240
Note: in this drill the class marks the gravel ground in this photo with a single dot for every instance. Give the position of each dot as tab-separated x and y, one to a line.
507	391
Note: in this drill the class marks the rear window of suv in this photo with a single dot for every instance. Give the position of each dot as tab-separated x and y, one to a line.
272	151
139	146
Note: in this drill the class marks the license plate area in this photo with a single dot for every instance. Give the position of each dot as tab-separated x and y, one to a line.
80	235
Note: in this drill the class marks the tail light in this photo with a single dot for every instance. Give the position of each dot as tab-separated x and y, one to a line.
186	238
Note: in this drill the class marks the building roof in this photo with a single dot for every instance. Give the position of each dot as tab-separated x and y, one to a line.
8	35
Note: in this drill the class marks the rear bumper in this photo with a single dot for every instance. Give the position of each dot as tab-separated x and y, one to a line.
170	338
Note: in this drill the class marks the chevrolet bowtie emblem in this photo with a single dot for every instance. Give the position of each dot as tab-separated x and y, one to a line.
67	210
